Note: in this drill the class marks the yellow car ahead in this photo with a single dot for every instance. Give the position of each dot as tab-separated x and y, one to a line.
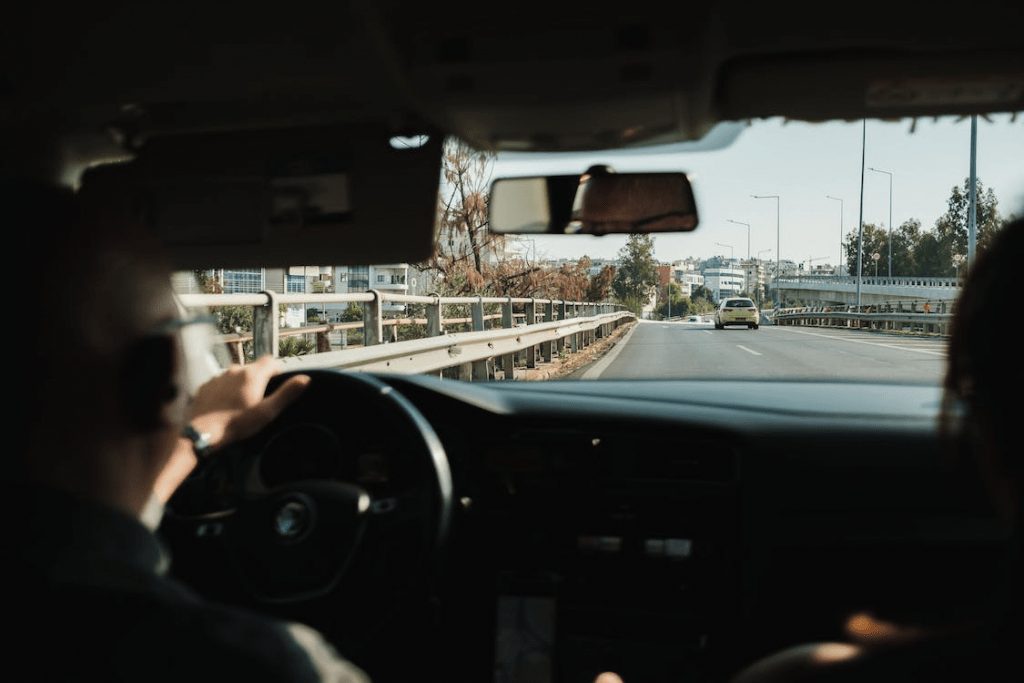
737	312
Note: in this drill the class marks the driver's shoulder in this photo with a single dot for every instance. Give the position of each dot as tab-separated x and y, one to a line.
106	633
265	647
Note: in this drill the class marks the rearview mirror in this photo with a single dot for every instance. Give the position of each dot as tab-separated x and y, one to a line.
595	203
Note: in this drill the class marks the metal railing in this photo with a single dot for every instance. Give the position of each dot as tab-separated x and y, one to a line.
537	330
874	280
928	317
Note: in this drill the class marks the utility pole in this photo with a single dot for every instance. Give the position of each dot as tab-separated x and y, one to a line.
860	228
972	215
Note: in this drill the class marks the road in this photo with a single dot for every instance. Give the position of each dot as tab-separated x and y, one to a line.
684	350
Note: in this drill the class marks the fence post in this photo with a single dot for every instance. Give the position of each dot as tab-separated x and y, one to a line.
574	339
478	314
482	369
237	353
323	342
547	348
560	342
434	323
508	361
265	340
373	330
531	319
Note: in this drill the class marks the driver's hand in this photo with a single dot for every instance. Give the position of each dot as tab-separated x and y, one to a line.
230	407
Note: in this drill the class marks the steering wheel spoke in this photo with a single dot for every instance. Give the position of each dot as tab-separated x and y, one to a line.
308	531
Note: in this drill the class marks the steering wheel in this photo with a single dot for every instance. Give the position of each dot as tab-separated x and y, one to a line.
344	499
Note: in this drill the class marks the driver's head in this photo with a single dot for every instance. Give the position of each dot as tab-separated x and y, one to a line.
99	392
985	377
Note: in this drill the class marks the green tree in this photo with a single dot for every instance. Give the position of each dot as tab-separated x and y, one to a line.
353	313
929	256
637	274
701	297
951	227
905	240
673	303
874	239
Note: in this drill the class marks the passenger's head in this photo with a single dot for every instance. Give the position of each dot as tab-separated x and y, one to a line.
985	372
98	373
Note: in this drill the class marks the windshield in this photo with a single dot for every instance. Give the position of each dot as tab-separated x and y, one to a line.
839	247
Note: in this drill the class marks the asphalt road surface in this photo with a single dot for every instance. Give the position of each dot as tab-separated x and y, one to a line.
685	350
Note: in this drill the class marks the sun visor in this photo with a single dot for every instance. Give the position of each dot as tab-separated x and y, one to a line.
248	199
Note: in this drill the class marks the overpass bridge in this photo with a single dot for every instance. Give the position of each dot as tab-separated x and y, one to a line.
842	290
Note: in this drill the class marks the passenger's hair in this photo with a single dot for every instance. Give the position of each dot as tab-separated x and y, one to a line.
985	371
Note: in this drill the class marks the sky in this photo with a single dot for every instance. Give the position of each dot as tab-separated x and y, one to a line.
802	163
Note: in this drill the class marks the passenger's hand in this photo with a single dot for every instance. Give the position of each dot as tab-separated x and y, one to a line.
866	629
230	407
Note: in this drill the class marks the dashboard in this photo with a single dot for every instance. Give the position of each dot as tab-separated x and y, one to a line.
658	529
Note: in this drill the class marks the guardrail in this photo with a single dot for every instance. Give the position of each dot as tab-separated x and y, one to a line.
540	330
888	318
874	280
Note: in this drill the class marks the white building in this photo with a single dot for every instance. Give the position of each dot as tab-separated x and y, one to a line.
724	281
753	275
390	278
687	280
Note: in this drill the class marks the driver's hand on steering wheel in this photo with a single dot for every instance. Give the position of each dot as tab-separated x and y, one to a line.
230	407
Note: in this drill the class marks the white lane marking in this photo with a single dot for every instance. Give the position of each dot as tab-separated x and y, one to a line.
869	343
601	365
740	346
707	332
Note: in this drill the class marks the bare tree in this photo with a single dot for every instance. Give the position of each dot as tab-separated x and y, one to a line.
463	245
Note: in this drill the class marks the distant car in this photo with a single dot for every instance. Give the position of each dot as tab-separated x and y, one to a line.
737	312
695	319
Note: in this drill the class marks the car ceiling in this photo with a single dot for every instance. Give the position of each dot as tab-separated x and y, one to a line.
515	76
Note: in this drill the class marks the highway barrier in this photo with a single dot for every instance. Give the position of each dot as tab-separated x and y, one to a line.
928	318
536	330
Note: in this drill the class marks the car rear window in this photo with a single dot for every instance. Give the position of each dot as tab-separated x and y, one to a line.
739	303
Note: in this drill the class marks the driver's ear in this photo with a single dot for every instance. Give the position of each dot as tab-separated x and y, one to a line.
147	383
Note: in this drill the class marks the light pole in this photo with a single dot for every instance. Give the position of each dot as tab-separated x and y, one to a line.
760	284
778	245
729	220
726	245
839	264
890	216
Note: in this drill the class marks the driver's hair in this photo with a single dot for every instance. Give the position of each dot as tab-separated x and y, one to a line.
95	281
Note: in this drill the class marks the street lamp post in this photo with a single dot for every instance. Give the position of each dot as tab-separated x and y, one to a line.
760	284
729	220
839	263
778	243
890	215
726	245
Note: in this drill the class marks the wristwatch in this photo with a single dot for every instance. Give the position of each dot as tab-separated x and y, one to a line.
200	441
